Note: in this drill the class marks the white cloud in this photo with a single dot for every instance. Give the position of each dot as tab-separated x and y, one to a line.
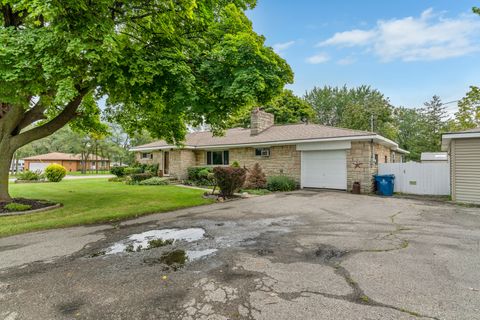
318	58
279	47
349	38
427	37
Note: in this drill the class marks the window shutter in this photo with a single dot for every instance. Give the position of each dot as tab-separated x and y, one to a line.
209	157
225	157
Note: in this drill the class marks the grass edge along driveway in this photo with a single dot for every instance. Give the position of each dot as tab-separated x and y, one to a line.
93	201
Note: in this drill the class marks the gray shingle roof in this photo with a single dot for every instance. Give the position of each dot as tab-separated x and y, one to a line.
277	133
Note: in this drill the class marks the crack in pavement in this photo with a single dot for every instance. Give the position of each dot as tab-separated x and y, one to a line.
332	257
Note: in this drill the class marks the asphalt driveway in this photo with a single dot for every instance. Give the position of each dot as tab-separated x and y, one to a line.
302	255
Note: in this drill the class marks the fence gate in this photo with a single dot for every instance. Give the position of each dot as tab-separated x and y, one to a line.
419	178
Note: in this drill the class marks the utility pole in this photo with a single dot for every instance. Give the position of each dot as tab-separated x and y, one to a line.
371	123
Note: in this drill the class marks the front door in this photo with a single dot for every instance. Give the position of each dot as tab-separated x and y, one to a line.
166	163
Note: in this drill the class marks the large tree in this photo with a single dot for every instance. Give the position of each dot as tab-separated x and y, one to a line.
360	108
435	123
468	114
161	64
287	108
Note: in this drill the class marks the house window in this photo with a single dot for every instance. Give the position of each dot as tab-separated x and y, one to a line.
386	159
262	152
147	155
393	157
376	158
217	157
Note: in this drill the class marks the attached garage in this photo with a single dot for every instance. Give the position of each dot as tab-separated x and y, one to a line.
324	169
324	165
464	151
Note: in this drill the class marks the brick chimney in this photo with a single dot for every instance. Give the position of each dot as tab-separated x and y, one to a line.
260	121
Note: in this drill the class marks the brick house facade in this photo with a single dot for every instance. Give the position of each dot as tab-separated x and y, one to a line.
278	150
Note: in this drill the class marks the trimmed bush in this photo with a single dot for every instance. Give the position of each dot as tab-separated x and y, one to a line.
256	179
202	176
118	171
154	181
55	172
137	177
152	169
235	164
17	207
30	175
281	183
132	170
229	179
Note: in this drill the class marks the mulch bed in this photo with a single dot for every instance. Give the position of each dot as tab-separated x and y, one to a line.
36	204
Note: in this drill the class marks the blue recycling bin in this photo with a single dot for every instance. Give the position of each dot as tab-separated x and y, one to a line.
385	184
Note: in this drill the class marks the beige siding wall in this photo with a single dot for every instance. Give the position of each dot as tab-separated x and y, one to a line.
465	170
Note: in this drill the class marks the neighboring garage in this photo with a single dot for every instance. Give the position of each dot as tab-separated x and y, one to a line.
39	166
464	151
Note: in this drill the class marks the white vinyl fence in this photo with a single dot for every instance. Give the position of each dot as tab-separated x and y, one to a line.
419	178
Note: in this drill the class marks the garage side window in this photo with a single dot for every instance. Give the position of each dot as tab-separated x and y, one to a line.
147	155
218	158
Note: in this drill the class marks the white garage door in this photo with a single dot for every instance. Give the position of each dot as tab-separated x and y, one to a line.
38	166
324	169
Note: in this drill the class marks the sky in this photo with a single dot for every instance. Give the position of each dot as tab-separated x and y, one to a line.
407	49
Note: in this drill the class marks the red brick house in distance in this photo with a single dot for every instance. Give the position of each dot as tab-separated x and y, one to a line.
72	162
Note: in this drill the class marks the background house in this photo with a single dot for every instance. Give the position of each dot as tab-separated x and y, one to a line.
72	162
464	152
314	155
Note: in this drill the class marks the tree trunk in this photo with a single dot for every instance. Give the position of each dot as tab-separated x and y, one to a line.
6	156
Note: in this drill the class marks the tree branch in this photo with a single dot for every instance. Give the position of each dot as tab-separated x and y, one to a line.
34	114
67	114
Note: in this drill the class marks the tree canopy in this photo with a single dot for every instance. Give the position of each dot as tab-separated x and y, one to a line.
287	108
355	108
161	65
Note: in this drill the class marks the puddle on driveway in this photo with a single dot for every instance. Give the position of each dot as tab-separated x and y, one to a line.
198	254
140	241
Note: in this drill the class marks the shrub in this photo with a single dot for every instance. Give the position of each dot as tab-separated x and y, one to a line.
55	172
154	181
137	177
152	169
17	207
235	164
132	170
202	176
229	179
281	183
30	175
118	171
256	179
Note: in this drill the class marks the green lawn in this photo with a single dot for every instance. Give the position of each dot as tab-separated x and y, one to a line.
92	201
